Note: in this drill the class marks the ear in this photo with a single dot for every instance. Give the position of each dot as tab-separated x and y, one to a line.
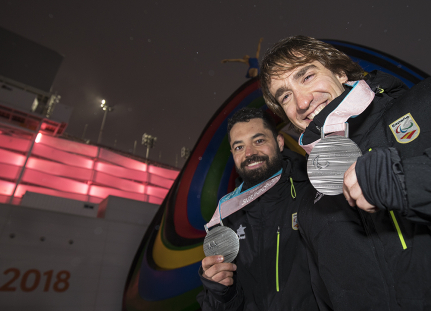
342	78
280	142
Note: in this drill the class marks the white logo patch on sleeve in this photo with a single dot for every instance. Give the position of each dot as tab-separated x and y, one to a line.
405	129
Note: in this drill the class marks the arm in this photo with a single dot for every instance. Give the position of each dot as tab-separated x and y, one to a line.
234	60
381	180
258	48
221	291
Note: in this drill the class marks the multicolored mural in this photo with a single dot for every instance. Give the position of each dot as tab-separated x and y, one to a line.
164	274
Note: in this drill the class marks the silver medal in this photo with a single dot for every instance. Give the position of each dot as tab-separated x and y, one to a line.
328	161
222	241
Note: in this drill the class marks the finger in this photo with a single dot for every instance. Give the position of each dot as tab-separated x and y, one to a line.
355	191
350	176
346	193
209	261
227	282
363	204
221	276
220	267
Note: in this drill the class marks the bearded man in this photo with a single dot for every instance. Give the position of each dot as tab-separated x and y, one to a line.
376	255
271	270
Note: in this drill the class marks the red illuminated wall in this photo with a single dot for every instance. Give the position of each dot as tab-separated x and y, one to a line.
77	171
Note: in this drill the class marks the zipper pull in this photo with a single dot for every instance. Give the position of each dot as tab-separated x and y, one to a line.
292	189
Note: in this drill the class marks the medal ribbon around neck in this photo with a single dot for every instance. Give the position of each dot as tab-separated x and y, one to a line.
358	99
331	156
236	200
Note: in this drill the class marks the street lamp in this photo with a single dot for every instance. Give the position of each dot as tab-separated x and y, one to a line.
148	141
107	109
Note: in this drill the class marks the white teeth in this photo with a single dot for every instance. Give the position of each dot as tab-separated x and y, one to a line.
316	112
255	163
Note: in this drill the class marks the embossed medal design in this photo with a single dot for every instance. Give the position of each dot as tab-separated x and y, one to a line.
328	161
222	240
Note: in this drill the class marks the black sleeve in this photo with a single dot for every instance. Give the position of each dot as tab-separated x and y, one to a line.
217	297
418	184
392	184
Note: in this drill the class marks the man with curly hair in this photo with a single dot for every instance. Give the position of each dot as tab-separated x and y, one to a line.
369	249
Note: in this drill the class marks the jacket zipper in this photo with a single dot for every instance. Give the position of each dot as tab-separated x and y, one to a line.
400	234
276	262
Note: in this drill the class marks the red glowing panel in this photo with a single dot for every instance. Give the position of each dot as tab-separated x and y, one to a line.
62	156
59	169
103	192
121	172
9	171
14	143
6	187
4	198
22	189
55	182
10	157
156	191
160	181
95	199
121	160
155	200
69	146
115	182
171	174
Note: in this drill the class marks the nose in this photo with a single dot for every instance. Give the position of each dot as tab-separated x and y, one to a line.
303	100
250	150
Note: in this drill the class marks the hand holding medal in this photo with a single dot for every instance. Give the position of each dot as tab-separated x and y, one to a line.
329	160
222	241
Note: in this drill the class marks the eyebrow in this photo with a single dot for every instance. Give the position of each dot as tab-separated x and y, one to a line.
297	76
303	71
253	137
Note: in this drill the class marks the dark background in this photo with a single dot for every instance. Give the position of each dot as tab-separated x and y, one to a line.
158	62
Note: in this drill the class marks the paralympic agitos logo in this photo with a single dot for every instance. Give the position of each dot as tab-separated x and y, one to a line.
405	129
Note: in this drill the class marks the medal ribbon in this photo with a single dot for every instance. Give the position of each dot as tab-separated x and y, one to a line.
236	200
358	99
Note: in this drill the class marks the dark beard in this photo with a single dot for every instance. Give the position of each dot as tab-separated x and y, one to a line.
256	176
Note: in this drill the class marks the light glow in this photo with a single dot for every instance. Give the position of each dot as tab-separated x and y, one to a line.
73	170
38	138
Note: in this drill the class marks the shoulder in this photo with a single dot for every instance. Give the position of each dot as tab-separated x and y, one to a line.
391	85
295	165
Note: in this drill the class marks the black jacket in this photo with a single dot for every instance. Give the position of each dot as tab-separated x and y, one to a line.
380	261
265	221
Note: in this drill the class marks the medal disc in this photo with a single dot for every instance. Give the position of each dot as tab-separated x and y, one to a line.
222	241
328	161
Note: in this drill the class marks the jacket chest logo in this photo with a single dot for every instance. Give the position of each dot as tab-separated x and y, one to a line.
295	225
240	232
405	129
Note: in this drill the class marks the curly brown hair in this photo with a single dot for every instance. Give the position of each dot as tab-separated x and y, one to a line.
296	51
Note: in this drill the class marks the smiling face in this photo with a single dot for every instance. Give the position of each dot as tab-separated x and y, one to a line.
256	153
304	91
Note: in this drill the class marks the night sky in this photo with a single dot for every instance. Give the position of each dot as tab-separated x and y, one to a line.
159	62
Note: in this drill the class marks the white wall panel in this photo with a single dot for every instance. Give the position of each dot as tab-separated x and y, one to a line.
98	260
